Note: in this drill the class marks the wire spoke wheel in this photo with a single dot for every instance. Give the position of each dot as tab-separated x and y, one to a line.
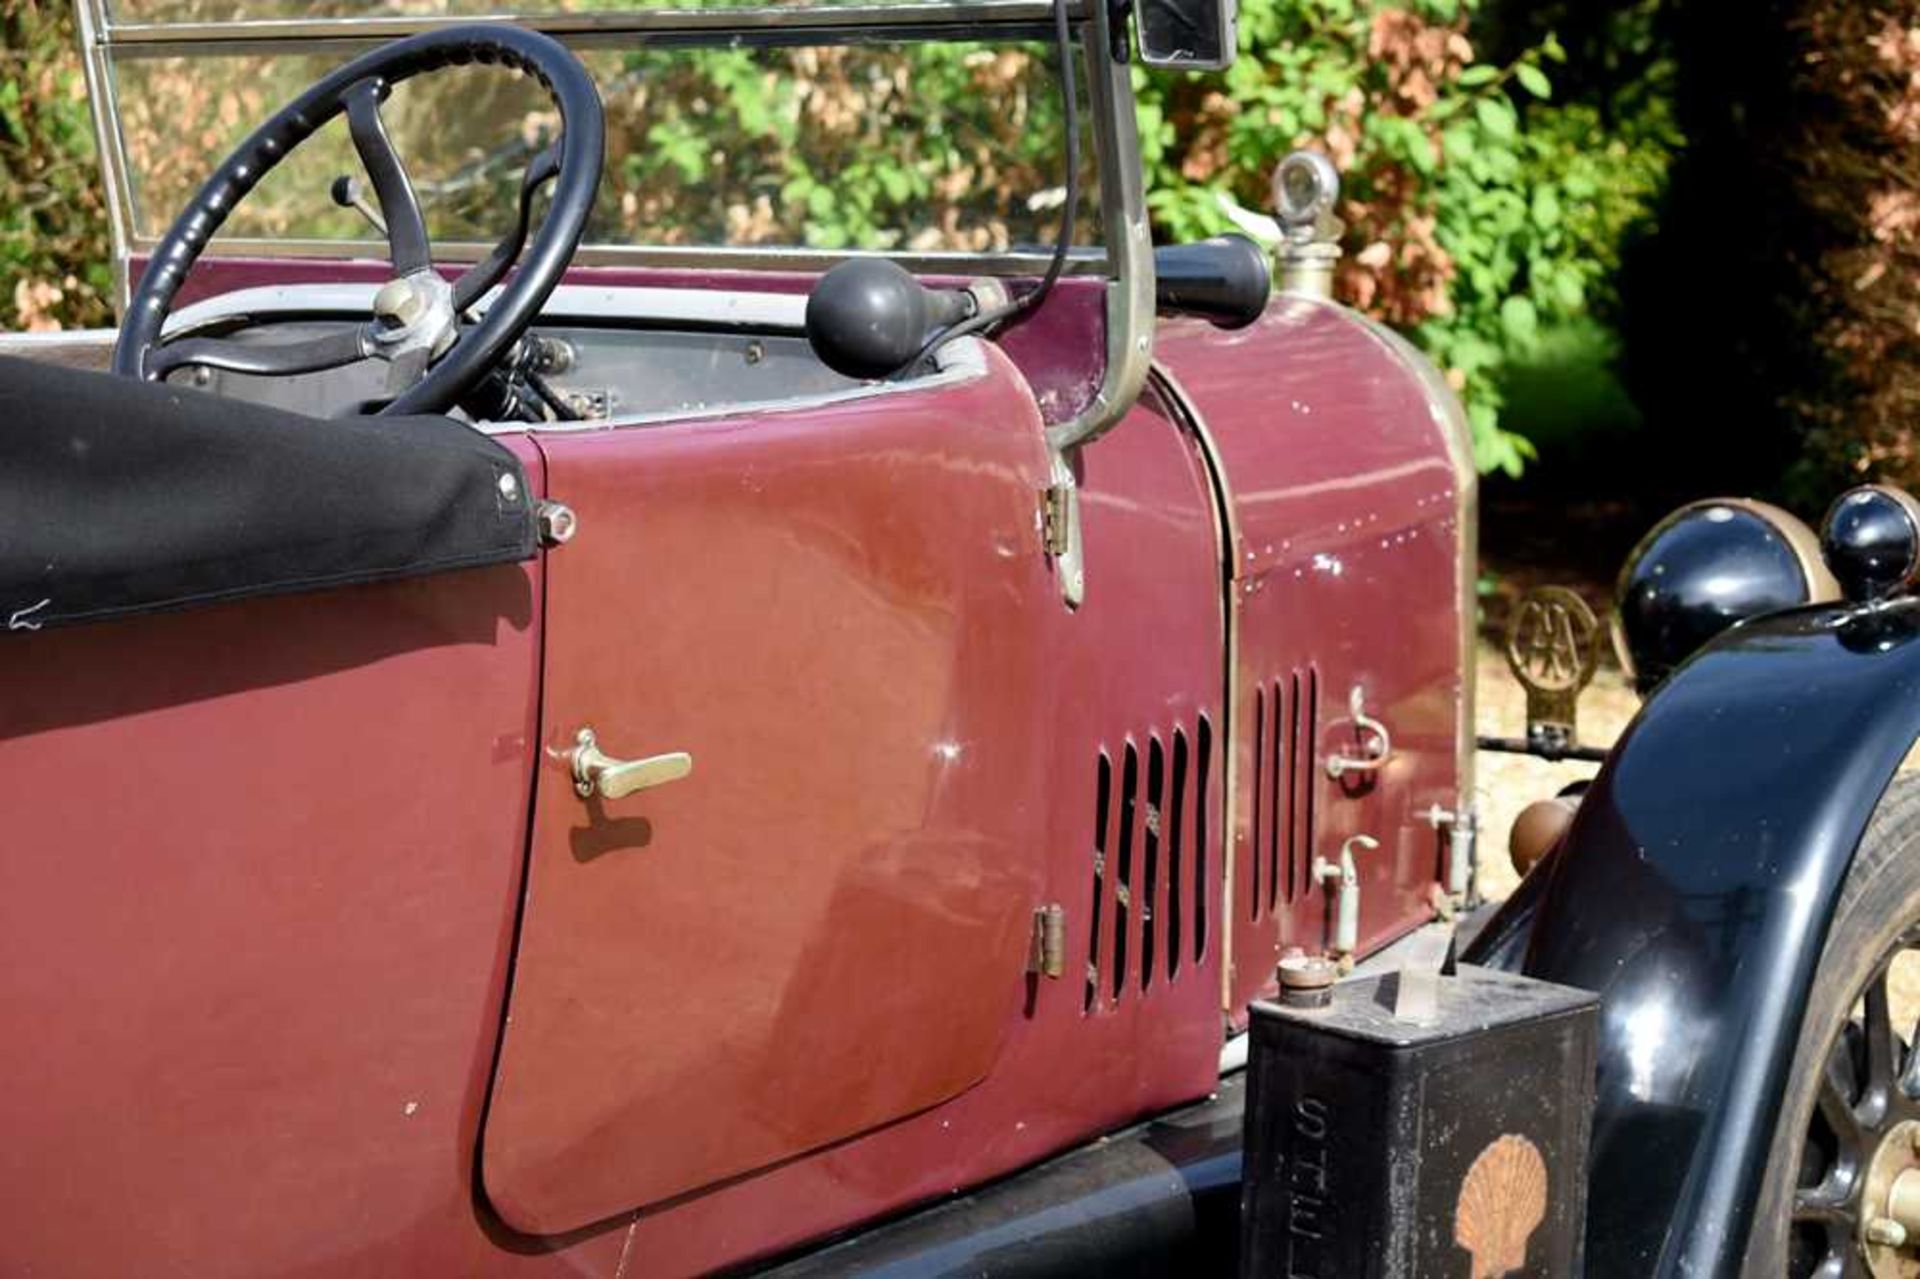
1855	1205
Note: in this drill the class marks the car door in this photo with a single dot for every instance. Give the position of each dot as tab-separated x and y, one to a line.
833	609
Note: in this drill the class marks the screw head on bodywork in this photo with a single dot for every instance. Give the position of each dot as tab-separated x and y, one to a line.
509	486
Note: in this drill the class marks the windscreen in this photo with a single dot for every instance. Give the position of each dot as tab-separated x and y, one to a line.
902	147
175	11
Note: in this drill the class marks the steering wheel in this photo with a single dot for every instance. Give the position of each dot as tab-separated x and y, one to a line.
415	325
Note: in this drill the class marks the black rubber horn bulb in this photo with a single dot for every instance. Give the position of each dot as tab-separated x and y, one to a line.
868	318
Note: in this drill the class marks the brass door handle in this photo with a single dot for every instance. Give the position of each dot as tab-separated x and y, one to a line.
597	773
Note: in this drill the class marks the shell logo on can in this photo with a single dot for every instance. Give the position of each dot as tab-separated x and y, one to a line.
1503	1199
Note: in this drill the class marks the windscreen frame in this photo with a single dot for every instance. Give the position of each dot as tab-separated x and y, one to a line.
1124	258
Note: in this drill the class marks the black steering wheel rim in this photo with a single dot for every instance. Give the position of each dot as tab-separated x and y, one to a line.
581	152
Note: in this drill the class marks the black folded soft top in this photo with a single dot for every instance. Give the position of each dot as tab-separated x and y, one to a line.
120	497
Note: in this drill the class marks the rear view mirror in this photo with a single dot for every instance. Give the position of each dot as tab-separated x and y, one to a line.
1188	35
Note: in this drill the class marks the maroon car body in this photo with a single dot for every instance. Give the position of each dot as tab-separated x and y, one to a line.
313	962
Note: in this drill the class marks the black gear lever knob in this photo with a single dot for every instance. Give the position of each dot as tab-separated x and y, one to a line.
868	317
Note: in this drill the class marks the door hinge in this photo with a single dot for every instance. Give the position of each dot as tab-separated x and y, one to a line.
1060	531
1047	951
1056	513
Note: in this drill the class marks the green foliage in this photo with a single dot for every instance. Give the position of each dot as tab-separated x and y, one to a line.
53	245
1536	218
880	147
1482	213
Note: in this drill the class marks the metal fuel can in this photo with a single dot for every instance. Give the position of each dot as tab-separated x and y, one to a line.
1383	1148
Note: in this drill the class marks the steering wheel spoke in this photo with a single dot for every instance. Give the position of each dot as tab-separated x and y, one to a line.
279	359
406	369
490	270
399	207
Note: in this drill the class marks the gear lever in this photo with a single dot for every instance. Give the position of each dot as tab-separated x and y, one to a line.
349	194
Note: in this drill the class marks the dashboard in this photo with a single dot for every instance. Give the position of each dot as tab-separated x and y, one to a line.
626	354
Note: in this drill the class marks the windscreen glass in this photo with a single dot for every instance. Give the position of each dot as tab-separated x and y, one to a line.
177	11
897	147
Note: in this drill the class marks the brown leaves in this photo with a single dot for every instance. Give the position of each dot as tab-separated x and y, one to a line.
36	305
1417	56
1400	273
1893	215
1897	48
1855	175
1205	132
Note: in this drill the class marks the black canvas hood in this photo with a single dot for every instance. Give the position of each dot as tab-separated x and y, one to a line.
120	497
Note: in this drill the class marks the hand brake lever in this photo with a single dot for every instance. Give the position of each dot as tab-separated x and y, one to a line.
489	271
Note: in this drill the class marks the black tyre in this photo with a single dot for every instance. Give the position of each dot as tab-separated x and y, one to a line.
1850	1120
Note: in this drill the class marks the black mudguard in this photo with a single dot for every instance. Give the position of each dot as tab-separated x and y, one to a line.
1694	893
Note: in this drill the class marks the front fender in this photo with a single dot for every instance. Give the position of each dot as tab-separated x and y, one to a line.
1694	892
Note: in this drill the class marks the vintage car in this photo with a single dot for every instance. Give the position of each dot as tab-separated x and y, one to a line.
606	700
